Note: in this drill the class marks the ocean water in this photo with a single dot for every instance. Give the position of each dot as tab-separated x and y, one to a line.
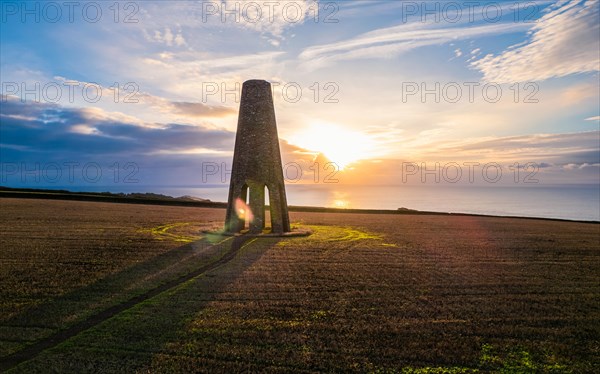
575	202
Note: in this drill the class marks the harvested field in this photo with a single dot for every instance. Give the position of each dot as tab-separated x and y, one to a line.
364	292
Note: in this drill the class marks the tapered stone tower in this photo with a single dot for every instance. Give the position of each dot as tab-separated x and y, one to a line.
256	164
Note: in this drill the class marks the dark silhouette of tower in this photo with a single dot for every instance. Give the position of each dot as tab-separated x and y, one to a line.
257	164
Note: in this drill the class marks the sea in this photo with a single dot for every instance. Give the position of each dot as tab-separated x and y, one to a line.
571	202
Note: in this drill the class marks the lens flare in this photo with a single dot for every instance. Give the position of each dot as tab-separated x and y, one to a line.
243	210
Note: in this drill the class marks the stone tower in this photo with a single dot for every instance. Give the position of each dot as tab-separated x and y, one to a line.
257	164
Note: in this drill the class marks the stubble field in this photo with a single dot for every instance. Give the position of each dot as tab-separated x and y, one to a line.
101	287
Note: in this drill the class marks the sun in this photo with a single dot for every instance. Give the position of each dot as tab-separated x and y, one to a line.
339	145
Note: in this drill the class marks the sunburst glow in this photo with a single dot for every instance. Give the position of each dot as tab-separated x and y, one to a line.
339	145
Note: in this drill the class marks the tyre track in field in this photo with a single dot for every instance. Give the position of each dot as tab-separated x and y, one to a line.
62	336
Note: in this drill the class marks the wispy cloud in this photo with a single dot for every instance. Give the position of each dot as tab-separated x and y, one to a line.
268	18
564	41
556	158
186	108
391	41
201	110
580	147
184	74
166	37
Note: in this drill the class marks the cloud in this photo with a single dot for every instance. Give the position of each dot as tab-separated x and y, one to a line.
563	42
581	166
187	73
268	18
166	37
596	118
417	30
558	158
579	93
391	41
201	110
171	153
286	14
57	131
557	148
167	153
186	108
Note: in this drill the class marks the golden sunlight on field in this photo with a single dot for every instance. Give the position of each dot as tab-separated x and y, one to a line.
363	293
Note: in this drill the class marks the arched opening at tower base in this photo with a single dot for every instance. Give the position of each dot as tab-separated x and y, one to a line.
268	216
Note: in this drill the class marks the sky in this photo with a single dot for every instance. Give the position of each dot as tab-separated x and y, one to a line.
369	92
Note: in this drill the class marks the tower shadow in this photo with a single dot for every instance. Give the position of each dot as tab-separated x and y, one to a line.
73	320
